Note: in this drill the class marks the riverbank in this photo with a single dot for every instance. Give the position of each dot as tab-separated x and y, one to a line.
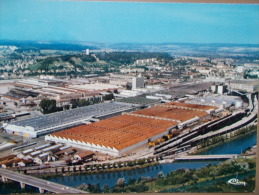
110	178
208	174
205	149
218	184
111	170
180	177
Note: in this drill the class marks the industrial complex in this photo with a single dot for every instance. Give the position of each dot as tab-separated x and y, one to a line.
124	124
121	134
155	111
121	126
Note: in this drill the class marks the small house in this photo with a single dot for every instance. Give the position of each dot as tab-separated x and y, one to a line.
84	155
25	163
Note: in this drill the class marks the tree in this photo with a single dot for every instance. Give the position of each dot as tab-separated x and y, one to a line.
106	188
84	187
160	174
75	103
48	106
131	181
66	107
95	188
95	100
16	104
84	102
97	166
120	182
108	97
137	188
130	164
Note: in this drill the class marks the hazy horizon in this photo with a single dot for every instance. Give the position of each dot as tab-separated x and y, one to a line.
128	23
129	43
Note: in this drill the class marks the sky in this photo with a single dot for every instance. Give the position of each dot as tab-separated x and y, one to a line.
122	22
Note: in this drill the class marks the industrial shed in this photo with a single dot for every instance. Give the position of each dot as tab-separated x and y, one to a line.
48	123
179	114
115	135
120	134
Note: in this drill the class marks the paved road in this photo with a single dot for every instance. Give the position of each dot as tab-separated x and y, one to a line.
40	183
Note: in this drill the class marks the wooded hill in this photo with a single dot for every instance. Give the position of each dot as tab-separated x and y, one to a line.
100	60
131	57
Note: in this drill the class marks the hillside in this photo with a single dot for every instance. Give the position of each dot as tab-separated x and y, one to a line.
69	62
131	57
101	62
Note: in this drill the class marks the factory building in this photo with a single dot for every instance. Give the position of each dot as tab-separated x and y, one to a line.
219	89
140	100
245	85
120	134
137	82
222	101
48	123
34	90
180	91
114	135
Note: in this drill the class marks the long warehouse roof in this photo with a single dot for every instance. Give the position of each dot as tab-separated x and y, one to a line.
195	106
118	132
127	130
64	117
176	113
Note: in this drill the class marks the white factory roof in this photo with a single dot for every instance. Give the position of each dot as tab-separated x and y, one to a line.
35	153
52	147
27	151
95	86
42	146
54	120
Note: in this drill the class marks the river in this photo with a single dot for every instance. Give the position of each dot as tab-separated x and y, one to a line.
236	146
111	178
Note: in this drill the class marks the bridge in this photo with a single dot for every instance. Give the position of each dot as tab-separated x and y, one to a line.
207	157
42	184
